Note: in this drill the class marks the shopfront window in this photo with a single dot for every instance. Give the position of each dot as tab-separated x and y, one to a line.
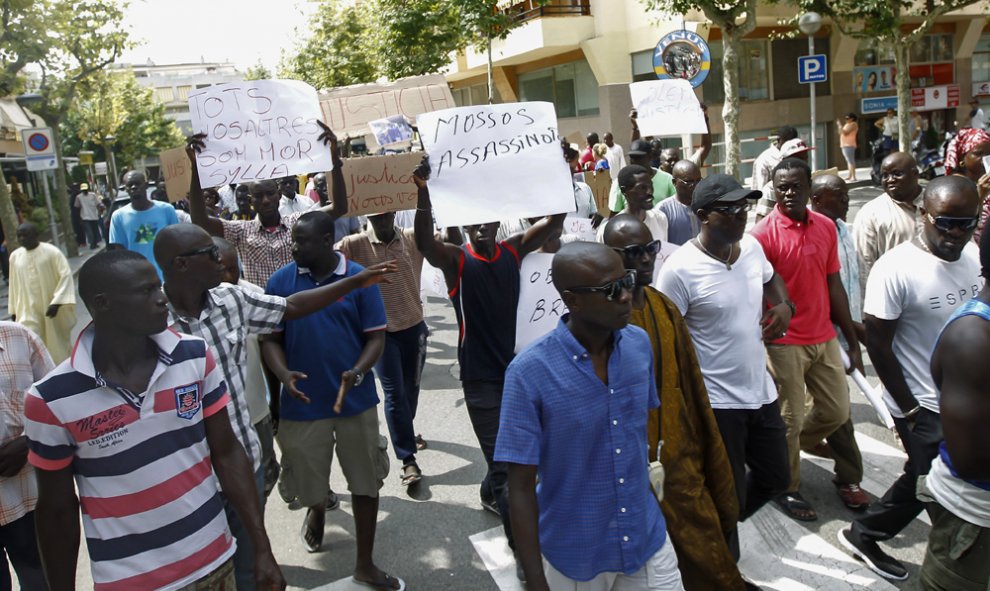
572	88
754	79
981	60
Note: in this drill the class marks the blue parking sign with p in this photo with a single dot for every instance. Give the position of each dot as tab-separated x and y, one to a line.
812	68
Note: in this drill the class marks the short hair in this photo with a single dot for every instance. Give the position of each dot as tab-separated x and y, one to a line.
852	116
791	164
320	220
97	274
626	175
786	133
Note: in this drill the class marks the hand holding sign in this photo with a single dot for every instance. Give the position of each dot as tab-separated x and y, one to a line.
667	108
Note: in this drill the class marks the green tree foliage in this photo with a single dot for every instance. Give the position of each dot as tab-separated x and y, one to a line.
258	72
893	24
337	51
113	103
416	37
736	19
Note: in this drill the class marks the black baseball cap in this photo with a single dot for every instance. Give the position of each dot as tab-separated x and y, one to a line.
640	148
720	187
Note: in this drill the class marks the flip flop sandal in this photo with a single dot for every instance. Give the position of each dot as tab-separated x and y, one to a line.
420	443
386	586
792	503
317	532
412	477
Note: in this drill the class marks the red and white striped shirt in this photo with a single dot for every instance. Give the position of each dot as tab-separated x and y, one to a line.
150	500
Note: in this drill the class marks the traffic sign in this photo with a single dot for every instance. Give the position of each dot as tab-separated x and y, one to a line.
812	68
39	148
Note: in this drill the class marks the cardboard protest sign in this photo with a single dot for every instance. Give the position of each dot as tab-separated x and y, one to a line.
600	183
257	130
540	306
349	109
376	184
177	171
495	162
392	130
667	108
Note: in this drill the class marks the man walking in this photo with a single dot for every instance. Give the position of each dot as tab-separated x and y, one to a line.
401	364
768	159
616	157
699	502
324	362
682	224
138	418
805	361
957	490
483	281
89	212
42	294
23	360
588	382
135	225
639	155
732	301
911	293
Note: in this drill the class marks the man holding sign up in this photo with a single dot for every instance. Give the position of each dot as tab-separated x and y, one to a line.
483	275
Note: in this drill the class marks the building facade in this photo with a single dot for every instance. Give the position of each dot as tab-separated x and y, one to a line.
582	54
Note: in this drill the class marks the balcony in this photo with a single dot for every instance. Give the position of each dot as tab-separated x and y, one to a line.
528	10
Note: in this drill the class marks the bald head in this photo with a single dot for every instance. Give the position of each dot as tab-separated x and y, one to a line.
954	192
177	239
685	169
826	182
899	159
583	264
623	230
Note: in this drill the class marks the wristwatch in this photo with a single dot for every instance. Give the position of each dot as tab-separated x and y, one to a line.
790	305
359	377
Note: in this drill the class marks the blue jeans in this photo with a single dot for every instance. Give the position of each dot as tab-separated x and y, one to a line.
399	370
244	555
18	544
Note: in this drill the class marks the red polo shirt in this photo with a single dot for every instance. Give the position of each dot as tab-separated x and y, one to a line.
804	254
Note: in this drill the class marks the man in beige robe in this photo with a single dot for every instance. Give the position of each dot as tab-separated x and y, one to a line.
42	291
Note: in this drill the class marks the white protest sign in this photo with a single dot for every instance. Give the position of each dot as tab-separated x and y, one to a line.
432	282
667	108
540	306
580	227
257	130
495	162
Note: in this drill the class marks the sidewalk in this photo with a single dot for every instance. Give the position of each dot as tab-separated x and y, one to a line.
74	264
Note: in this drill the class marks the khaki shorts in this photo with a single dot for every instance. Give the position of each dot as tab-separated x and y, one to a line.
307	454
221	579
956	557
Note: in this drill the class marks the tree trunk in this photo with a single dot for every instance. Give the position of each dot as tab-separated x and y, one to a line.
8	215
730	108
491	88
62	194
902	61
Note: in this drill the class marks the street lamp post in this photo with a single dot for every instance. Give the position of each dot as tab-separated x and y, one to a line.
108	147
30	98
810	23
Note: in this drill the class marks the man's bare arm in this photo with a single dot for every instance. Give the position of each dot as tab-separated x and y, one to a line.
57	520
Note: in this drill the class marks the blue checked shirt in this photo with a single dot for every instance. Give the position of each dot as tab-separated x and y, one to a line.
588	439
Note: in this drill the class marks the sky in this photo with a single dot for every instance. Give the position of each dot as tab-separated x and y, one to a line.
241	31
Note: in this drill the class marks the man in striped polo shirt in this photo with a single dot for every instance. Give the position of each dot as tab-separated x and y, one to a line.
224	316
137	416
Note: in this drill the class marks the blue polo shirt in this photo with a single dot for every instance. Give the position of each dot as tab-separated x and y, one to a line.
588	439
325	344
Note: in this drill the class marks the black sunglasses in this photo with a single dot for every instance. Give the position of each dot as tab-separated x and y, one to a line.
946	223
212	250
611	290
731	209
636	251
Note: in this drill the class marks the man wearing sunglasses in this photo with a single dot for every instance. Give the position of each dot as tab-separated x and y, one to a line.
682	224
732	302
587	382
699	502
806	361
912	291
224	315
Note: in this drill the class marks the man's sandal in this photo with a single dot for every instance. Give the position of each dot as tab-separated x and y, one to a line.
794	505
313	531
411	474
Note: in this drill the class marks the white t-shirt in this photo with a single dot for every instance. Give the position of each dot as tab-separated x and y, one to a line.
722	309
616	159
962	499
920	291
978	120
255	385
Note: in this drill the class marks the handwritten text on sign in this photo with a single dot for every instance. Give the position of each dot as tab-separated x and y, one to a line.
475	152
377	184
540	306
667	107
177	171
258	130
349	109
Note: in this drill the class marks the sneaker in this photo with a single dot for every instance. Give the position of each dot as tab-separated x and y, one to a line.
490	505
332	501
869	552
853	496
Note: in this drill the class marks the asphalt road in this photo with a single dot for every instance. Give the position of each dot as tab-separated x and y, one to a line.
424	536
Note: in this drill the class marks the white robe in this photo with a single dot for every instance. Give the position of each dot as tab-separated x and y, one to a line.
38	279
